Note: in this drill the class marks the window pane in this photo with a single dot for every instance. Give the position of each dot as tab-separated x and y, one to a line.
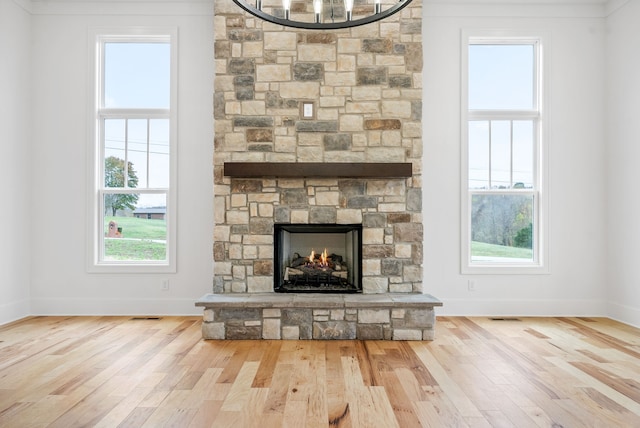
136	75
137	151
523	137
114	152
500	154
135	227
159	153
501	228
479	154
501	77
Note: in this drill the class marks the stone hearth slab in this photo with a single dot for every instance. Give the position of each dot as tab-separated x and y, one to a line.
391	316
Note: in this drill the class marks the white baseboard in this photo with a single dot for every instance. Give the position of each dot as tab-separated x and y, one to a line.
523	307
451	307
91	306
13	311
624	314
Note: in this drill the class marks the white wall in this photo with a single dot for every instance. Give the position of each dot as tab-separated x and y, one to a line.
15	167
587	215
577	245
60	282
623	145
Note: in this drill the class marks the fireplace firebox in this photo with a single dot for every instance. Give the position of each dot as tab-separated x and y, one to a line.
318	258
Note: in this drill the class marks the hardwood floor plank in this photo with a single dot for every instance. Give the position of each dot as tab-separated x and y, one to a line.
235	363
361	352
122	410
317	406
438	410
264	375
301	378
337	405
410	384
240	390
464	405
606	340
385	414
361	407
206	385
116	371
137	417
400	401
206	414
410	359
627	387
279	391
295	414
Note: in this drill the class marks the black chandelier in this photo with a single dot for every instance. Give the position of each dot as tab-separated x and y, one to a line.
323	14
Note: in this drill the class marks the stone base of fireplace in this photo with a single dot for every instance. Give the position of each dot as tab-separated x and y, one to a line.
319	316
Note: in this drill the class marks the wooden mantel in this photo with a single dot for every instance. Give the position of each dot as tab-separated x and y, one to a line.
316	170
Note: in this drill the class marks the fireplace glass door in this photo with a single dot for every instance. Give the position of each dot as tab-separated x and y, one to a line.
317	258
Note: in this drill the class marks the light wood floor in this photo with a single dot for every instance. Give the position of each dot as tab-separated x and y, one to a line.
117	371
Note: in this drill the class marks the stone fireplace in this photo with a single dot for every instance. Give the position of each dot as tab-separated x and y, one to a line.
312	130
388	210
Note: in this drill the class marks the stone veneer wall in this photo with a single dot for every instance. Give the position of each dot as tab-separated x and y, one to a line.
366	86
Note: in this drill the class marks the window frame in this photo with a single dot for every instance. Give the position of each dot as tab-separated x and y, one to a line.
98	37
539	192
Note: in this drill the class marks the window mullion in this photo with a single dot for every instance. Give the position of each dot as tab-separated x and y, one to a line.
503	114
490	156
148	150
503	191
511	153
126	154
141	113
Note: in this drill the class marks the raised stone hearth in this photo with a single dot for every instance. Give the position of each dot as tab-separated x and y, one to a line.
391	316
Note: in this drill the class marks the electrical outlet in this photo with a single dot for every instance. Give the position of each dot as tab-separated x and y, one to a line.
472	285
165	284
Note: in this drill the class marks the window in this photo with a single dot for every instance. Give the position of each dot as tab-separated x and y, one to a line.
503	194
133	214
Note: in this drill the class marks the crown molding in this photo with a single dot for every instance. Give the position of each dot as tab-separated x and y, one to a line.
521	8
26	5
613	6
120	7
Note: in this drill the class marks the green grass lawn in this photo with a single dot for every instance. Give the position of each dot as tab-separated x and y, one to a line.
481	249
125	249
137	239
139	228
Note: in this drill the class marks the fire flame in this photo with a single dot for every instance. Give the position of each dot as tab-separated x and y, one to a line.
323	257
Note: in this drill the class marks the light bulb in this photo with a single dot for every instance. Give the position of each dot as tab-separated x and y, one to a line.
317	10
348	6
377	6
286	4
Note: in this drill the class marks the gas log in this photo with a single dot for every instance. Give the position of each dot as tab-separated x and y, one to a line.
316	269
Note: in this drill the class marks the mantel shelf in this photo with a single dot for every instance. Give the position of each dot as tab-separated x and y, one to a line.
316	170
